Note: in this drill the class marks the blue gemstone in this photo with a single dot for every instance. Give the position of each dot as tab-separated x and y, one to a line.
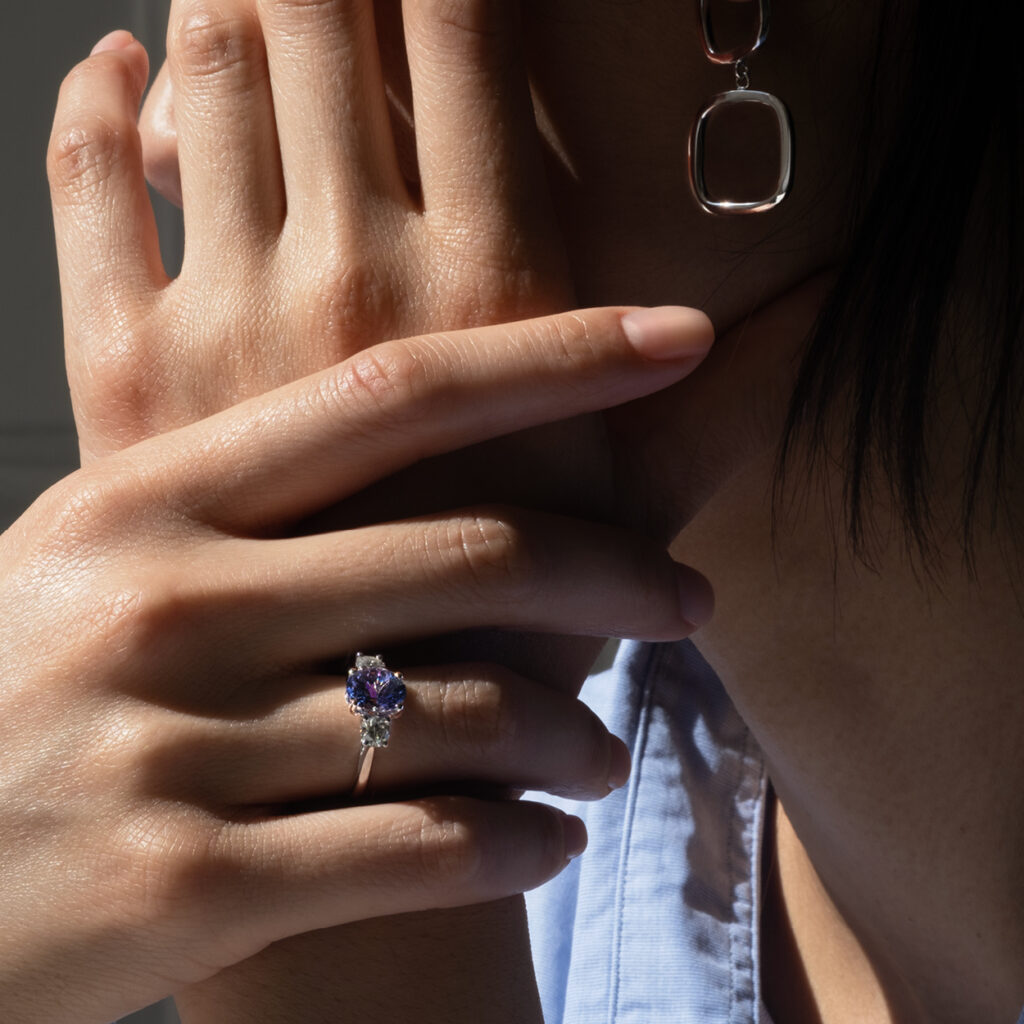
375	691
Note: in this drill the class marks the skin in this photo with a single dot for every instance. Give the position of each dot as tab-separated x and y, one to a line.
817	690
171	744
171	739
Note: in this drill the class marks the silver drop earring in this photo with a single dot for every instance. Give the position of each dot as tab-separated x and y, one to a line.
741	94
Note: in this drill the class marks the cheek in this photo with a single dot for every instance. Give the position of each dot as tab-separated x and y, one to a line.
160	139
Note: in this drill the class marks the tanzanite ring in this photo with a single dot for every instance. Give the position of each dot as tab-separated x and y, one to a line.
376	695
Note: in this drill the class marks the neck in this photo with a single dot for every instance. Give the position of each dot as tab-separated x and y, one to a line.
814	968
890	717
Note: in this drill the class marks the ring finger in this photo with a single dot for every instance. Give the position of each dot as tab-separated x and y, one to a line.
475	723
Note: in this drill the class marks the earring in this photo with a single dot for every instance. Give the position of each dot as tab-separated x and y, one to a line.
742	94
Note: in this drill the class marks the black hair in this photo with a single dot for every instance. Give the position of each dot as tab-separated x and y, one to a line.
947	191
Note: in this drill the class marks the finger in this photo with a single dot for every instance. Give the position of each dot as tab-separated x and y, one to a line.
107	242
460	724
476	135
159	133
332	113
282	877
227	140
683	427
314	442
512	568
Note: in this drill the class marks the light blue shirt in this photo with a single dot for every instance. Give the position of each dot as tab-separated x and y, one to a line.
658	922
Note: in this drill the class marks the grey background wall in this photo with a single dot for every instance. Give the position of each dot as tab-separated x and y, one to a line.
43	39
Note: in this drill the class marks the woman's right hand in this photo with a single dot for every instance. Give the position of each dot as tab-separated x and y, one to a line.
174	759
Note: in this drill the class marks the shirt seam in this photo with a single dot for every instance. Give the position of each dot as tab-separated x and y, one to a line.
642	732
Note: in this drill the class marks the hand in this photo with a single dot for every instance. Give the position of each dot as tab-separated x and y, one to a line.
162	636
307	243
305	240
655	463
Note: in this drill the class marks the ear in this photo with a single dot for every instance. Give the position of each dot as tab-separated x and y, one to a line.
160	139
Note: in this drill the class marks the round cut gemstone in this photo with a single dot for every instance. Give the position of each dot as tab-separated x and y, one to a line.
375	691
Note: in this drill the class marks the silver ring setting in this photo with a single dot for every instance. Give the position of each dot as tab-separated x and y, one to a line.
376	695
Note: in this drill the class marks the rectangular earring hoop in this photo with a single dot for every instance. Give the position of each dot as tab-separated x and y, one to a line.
742	94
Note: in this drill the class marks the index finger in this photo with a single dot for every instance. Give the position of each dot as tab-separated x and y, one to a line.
314	442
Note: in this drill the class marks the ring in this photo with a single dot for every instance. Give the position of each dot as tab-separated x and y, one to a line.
376	695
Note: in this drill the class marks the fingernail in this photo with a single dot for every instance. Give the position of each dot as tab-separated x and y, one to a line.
619	764
119	39
575	833
696	598
668	332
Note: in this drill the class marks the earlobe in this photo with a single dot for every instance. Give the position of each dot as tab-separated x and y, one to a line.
160	139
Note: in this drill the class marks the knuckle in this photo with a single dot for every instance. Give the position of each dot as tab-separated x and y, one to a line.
118	369
210	45
115	375
481	720
381	383
87	506
83	155
449	849
356	299
109	617
139	627
160	612
176	867
494	550
571	341
131	744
